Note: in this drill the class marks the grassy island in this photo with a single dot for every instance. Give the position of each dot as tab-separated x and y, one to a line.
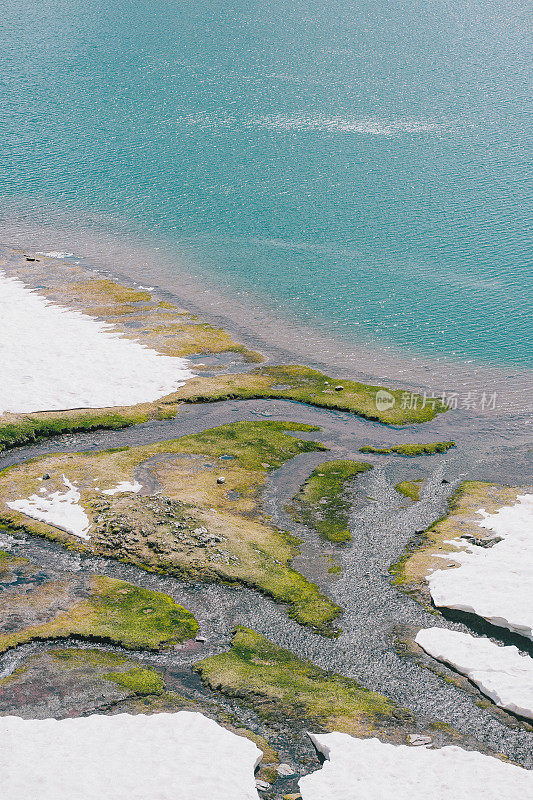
322	502
410	450
305	385
96	608
279	684
410	489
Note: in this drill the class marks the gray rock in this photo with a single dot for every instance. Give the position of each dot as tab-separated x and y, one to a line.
286	770
416	740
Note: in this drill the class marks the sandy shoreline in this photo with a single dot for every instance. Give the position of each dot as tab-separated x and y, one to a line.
280	339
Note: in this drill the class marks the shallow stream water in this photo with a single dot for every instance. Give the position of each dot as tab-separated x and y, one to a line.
382	523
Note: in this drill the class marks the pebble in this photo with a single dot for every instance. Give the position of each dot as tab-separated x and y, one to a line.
418	741
262	785
285	769
221	479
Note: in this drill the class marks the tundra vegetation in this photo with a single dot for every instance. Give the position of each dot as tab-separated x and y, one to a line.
94	608
278	683
323	502
162	325
197	528
410	489
410	450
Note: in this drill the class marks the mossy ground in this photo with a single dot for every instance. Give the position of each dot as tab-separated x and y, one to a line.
305	385
276	682
17	430
425	551
299	383
138	680
410	489
410	449
322	502
249	550
99	608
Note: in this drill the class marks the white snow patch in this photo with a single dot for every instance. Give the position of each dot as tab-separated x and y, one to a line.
367	769
183	756
502	673
493	582
60	509
124	486
55	358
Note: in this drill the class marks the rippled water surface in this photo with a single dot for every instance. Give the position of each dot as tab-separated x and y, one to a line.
358	166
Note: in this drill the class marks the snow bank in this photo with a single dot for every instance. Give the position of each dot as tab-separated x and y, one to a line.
502	673
183	756
494	582
60	509
124	486
367	769
55	358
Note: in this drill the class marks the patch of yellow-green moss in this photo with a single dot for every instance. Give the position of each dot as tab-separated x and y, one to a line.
276	681
112	291
322	502
17	430
410	450
410	489
138	680
113	611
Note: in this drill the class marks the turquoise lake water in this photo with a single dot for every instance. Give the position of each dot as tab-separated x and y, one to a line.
358	166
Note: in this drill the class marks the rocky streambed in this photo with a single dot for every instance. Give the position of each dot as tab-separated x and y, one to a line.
376	618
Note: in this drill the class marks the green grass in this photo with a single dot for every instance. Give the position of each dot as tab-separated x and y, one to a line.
252	443
140	617
410	489
74	657
114	611
322	503
138	680
33	429
410	450
309	386
276	681
124	672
